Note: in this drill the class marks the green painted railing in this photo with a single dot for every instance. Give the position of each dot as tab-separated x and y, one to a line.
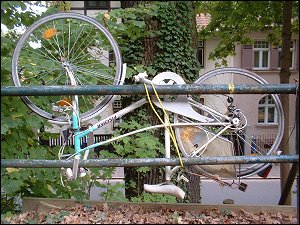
35	163
140	89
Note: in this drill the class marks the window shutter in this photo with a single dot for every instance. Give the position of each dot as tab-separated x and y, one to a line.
297	54
247	53
274	57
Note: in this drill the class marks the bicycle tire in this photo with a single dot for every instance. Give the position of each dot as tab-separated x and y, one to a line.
94	59
242	76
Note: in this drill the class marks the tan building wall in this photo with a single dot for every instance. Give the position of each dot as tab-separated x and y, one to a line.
271	76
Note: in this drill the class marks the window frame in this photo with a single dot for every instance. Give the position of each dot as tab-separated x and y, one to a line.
87	8
200	50
292	51
260	50
98	5
266	106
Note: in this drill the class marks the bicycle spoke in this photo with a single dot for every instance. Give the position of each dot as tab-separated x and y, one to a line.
77	37
62	45
93	74
79	48
235	107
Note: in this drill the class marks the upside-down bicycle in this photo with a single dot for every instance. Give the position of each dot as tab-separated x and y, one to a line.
73	49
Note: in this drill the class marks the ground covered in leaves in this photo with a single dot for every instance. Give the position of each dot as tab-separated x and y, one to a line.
83	214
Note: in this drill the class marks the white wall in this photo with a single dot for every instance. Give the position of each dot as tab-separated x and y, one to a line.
209	65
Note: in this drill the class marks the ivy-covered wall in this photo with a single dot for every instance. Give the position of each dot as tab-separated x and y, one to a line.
154	37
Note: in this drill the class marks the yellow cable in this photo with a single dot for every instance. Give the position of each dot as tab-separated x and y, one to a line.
172	135
231	88
172	132
168	129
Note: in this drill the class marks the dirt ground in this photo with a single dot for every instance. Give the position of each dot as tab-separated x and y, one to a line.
92	214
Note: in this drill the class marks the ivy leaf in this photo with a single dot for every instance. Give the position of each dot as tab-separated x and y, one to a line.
143	169
12	186
4	128
50	188
30	141
16	115
10	170
129	72
139	24
139	68
98	184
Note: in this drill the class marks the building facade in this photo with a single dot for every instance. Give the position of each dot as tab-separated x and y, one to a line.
261	58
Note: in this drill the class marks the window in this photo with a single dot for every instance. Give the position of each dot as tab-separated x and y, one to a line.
90	8
97	4
261	55
291	55
200	53
267	113
111	58
117	105
201	101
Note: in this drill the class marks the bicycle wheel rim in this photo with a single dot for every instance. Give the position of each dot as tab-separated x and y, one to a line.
252	169
85	24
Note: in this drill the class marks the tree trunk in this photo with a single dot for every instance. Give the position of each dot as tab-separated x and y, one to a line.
193	186
156	175
284	78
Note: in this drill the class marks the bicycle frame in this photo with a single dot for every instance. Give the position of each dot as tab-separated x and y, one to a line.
80	134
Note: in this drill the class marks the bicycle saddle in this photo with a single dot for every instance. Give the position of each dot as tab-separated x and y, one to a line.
180	104
170	189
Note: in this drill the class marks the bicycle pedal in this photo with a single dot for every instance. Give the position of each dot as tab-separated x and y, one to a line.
242	186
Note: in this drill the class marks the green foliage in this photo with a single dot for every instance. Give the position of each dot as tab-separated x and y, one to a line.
150	197
111	192
232	21
176	51
141	145
154	37
19	126
166	24
12	16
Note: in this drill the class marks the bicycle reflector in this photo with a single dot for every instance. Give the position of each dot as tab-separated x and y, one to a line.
49	33
64	102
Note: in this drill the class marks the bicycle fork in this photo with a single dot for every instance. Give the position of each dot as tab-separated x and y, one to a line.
73	173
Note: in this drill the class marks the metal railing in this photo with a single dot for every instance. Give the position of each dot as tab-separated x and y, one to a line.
140	89
165	90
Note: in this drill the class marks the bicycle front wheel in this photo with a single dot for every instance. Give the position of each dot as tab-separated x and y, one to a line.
73	41
257	124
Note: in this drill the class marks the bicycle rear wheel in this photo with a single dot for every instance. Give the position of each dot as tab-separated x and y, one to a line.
258	131
73	41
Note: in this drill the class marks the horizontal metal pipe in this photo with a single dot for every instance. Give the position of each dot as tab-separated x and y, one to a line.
34	163
140	89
